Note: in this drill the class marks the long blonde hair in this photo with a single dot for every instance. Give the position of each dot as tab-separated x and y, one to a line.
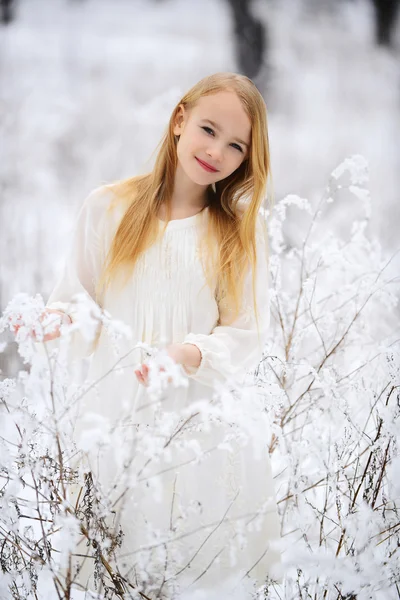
231	227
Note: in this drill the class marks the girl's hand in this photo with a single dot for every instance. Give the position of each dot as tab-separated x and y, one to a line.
55	333
175	351
65	320
184	354
142	374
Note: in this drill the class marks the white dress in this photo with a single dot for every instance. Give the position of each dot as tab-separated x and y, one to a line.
218	513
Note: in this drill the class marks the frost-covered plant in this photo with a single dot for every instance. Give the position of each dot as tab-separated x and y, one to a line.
61	523
327	390
333	369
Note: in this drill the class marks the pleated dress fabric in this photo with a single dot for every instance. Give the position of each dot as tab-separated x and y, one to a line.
210	496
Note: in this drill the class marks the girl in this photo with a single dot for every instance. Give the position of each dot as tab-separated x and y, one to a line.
180	255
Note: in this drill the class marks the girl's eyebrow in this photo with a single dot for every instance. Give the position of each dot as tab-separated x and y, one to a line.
219	129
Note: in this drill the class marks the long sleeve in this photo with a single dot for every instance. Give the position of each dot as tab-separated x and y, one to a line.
82	269
230	350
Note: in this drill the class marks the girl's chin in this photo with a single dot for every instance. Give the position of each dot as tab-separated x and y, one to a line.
194	177
197	174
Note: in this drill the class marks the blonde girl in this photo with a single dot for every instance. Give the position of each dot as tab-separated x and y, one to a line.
180	256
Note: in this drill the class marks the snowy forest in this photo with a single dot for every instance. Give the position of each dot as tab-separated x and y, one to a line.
86	90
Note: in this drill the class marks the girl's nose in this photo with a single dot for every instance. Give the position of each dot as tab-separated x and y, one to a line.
215	152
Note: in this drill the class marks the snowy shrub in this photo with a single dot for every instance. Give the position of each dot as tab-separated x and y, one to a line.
332	367
327	389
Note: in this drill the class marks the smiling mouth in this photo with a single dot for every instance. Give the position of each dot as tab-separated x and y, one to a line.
205	166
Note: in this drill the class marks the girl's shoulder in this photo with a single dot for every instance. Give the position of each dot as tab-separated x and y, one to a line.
261	227
104	202
243	203
241	208
102	197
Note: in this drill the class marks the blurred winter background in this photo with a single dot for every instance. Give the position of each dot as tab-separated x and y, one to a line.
87	87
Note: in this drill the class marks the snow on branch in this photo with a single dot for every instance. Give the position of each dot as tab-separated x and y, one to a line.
327	388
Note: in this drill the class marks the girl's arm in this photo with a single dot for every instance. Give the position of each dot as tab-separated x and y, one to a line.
232	349
82	267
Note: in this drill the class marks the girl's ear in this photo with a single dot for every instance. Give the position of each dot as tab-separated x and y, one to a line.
179	120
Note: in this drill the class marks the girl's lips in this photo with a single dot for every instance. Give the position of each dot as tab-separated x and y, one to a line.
205	166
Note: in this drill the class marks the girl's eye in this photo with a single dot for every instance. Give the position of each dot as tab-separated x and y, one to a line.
208	130
237	147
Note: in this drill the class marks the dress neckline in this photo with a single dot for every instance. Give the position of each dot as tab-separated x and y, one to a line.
185	222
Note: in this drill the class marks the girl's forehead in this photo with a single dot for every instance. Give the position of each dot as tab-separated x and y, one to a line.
225	109
219	102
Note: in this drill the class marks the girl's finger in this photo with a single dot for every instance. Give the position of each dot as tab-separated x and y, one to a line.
145	372
138	374
140	377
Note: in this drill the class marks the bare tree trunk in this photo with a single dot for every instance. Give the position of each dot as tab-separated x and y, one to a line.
385	20
6	11
251	38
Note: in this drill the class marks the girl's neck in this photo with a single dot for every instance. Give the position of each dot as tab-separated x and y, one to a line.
187	195
179	213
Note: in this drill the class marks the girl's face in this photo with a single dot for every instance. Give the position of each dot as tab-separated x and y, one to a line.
215	132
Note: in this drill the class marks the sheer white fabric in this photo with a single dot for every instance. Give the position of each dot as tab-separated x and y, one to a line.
166	301
226	350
